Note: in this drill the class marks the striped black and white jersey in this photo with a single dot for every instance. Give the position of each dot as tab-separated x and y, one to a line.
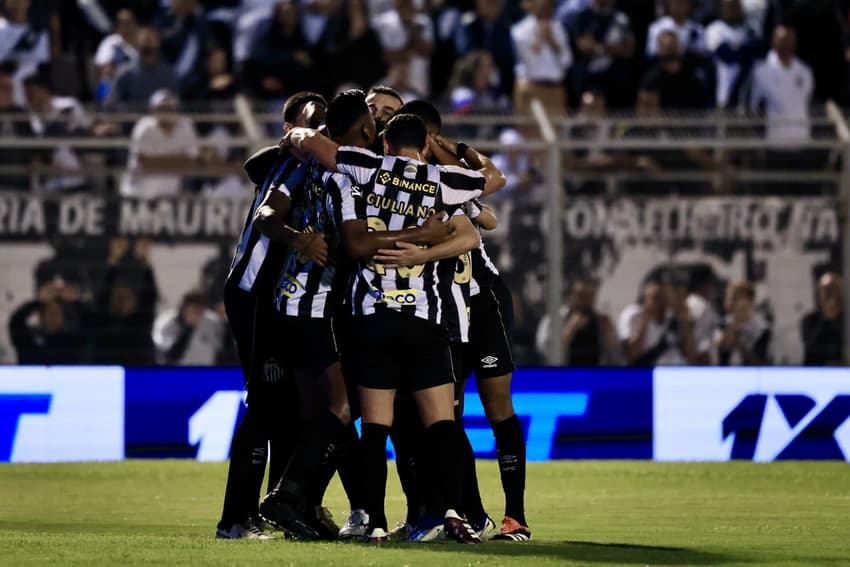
483	271
397	193
257	261
304	288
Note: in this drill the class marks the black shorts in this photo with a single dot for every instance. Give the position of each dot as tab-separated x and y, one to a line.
310	344
488	352
257	328
398	351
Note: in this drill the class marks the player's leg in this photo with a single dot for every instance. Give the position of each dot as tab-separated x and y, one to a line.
249	446
314	361
492	319
431	376
407	437
377	407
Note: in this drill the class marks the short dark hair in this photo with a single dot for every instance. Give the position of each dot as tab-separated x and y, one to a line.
193	297
344	110
406	131
424	110
385	90
294	104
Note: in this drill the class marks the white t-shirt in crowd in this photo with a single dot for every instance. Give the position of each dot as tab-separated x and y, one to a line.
393	35
204	344
786	93
628	323
27	48
544	65
149	139
691	35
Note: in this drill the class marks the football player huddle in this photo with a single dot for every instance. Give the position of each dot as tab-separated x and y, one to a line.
361	288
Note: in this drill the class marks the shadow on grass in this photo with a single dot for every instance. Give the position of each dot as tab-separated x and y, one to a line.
594	552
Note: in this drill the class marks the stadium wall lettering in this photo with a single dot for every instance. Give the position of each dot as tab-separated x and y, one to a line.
50	414
617	241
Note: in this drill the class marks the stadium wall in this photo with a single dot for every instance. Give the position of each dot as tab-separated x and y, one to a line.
50	414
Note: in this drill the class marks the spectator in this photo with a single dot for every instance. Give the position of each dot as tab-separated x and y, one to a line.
445	21
357	53
57	336
185	36
162	144
543	58
657	330
191	335
116	51
690	33
125	306
604	46
782	88
701	303
822	330
523	181
215	82
22	45
735	46
279	60
588	336
680	84
139	80
407	37
744	338
472	85
400	79
488	28
11	126
58	117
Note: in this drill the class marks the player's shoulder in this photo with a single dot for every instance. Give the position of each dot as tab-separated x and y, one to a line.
260	163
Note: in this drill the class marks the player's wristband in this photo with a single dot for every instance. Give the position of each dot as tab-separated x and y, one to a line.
460	151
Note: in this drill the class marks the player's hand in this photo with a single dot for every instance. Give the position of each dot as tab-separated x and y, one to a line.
312	246
435	229
407	254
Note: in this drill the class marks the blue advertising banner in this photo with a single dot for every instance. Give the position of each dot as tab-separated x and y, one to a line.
52	414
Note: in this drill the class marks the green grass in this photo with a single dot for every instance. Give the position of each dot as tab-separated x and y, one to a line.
581	513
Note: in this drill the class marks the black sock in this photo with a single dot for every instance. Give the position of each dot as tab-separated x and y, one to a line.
248	451
510	449
281	448
470	493
349	469
442	446
373	451
407	437
312	455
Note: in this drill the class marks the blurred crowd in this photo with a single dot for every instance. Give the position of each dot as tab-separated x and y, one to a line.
112	317
475	55
691	319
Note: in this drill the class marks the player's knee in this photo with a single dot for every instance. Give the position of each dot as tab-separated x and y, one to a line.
342	411
498	408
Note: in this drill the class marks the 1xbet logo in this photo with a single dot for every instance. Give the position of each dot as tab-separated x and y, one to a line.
809	433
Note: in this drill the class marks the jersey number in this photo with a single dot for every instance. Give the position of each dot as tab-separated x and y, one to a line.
377	225
463	270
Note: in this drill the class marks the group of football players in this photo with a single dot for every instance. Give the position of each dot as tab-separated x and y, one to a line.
360	288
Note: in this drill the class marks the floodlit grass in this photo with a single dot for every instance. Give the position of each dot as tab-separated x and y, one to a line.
581	513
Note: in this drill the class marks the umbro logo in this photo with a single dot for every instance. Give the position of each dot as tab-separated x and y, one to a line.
355	191
489	361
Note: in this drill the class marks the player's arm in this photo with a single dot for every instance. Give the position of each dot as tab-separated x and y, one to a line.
313	142
464	239
482	215
270	220
361	243
494	179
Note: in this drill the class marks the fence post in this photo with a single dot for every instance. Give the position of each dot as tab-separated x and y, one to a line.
554	243
841	128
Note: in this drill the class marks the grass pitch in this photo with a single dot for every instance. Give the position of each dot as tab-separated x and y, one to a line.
581	513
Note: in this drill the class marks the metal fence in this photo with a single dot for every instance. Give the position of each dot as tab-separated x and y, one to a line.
610	197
